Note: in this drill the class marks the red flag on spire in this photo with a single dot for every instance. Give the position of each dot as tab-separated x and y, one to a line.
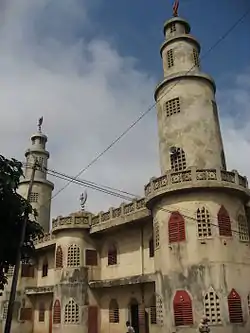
175	8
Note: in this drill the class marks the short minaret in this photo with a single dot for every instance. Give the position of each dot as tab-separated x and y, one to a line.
42	188
189	130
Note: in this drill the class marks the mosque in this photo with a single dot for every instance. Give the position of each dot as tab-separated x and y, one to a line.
163	261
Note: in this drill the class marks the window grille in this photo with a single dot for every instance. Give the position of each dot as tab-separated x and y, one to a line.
156	234
173	106
34	197
73	259
159	310
178	160
172	27
203	223
196	58
71	313
212	307
5	309
170	58
243	228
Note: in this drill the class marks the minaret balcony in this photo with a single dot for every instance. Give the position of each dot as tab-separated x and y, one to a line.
193	179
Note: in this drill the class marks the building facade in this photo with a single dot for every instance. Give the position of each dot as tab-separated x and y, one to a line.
162	261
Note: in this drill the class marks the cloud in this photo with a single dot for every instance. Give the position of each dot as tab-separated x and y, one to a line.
88	94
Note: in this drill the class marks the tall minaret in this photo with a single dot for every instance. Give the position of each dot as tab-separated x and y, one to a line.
201	231
42	188
189	130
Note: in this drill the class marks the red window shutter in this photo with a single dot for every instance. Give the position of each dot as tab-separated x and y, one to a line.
151	248
113	311
59	257
27	270
91	257
45	268
153	316
176	228
183	313
112	255
41	312
26	314
93	319
224	223
57	312
235	307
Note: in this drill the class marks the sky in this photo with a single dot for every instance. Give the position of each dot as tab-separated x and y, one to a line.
89	67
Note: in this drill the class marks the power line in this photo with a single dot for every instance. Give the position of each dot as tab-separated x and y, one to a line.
152	106
115	194
188	217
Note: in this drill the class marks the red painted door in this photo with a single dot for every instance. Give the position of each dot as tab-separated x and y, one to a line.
93	319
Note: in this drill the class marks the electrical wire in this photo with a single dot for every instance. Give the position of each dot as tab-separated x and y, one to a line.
241	19
115	194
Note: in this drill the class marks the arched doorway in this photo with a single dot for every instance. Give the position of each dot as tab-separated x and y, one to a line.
134	314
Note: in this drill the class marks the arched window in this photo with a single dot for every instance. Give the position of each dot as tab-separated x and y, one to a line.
224	222
113	311
151	247
112	255
235	307
178	160
153	310
45	267
203	223
212	307
73	259
41	312
71	313
176	228
243	228
57	312
59	257
248	303
183	313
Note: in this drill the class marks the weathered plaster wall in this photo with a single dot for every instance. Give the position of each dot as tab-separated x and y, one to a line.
194	129
123	295
133	252
196	265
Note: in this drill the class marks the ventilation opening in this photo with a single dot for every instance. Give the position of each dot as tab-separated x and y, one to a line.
178	160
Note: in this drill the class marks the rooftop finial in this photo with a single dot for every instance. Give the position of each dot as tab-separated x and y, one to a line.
83	199
40	122
175	8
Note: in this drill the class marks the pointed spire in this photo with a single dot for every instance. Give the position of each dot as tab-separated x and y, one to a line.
40	122
175	8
